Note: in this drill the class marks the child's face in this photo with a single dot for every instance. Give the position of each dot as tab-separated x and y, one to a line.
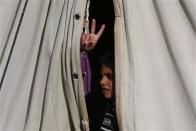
106	82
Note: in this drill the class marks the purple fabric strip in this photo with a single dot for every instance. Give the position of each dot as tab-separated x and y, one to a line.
86	71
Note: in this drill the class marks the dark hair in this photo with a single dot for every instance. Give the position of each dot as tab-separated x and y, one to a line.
107	60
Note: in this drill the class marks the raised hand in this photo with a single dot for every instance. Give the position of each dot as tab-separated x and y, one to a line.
89	41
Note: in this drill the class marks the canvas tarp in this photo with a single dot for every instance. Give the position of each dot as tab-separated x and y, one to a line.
155	45
41	88
155	65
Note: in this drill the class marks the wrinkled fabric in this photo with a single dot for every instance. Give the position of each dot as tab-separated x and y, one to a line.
155	65
42	88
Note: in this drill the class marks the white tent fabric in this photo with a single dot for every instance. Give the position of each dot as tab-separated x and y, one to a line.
155	45
37	91
155	65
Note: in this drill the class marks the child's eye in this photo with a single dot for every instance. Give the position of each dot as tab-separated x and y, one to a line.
109	76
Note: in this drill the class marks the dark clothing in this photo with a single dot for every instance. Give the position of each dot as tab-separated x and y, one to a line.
96	106
109	122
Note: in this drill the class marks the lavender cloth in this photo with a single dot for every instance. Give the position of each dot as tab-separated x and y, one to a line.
86	71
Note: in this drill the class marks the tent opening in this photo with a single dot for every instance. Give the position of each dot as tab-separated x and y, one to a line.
103	12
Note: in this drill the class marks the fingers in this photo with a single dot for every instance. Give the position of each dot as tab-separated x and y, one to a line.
89	41
93	26
86	42
82	39
93	39
100	31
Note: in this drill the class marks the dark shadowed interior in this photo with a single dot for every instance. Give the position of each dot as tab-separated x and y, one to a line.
103	12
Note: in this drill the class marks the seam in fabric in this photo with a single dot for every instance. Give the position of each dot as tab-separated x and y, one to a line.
50	92
10	30
14	43
182	2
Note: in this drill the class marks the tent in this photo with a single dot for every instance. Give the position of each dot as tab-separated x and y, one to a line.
41	83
